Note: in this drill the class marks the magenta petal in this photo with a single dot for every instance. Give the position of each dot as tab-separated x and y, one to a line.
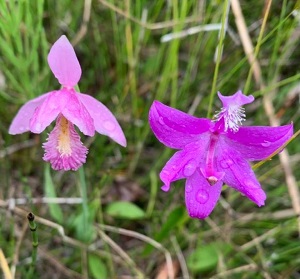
258	142
20	123
184	163
200	196
239	175
175	128
104	121
236	100
64	63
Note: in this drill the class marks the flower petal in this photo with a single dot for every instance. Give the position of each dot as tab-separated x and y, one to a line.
184	163
238	174
200	196
66	102
175	128
63	62
63	148
238	99
104	121
232	114
20	123
258	142
45	113
77	113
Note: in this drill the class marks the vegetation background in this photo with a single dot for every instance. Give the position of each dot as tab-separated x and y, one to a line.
110	219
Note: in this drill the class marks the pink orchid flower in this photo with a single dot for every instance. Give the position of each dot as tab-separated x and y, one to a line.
63	148
213	152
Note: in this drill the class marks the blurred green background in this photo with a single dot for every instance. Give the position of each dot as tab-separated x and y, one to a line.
126	65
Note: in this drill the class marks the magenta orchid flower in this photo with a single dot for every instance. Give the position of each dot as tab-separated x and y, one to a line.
63	148
213	152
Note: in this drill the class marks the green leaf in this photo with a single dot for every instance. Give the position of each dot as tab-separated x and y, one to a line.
55	210
85	231
176	217
97	267
205	258
125	210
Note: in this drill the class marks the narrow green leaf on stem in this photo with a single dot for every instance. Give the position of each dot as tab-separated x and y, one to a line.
153	193
85	210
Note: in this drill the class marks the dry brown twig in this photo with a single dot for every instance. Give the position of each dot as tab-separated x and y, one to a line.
146	239
16	147
67	273
85	21
11	203
18	246
261	256
180	257
242	269
245	39
277	215
149	26
259	239
121	253
267	101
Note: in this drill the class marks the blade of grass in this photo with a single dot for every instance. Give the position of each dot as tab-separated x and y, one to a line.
254	66
219	57
49	188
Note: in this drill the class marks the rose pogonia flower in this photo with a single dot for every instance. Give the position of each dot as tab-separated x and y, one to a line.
213	152
63	148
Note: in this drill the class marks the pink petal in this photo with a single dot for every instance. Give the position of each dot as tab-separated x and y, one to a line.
175	128
184	163
231	116
67	103
63	148
45	113
200	196
238	99
104	121
258	142
77	113
238	174
63	62
20	123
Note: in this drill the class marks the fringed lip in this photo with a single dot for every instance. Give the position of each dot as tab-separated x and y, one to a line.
64	149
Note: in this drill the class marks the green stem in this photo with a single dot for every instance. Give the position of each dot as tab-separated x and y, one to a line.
153	193
219	57
85	210
101	221
35	243
276	85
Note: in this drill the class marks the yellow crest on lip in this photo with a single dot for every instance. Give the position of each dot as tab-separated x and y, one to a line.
64	140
